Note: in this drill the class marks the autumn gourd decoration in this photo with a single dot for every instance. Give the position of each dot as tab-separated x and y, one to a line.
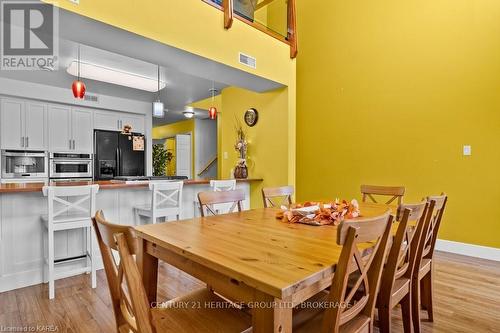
319	213
78	86
241	146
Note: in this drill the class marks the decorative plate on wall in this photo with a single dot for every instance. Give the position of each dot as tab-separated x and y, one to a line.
251	117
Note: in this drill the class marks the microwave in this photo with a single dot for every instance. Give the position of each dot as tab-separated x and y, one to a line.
18	164
67	166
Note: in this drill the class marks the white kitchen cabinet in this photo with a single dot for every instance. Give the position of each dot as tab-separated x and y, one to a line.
136	121
82	130
114	121
23	125
107	120
12	115
60	128
70	129
35	121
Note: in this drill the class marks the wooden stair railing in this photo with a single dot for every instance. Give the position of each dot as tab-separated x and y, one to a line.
227	5
209	164
291	38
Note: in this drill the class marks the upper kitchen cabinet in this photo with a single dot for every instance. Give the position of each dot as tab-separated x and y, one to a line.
59	128
114	121
136	121
23	125
82	130
106	120
36	125
70	129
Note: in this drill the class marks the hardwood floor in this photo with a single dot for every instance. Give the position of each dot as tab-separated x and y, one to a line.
467	300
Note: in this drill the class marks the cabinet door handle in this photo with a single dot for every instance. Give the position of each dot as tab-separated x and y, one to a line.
118	124
74	144
69	144
27	141
22	141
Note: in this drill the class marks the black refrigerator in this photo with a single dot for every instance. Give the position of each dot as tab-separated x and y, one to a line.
118	154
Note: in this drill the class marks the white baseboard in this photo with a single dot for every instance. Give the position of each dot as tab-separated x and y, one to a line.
470	250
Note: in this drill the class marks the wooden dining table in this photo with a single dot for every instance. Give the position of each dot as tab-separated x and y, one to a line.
249	257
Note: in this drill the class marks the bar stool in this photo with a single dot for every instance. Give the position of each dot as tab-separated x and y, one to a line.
69	207
166	201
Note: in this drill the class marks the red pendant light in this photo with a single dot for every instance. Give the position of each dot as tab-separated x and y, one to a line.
78	86
78	89
212	111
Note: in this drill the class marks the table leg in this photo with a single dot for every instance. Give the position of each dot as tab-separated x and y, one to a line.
148	267
277	319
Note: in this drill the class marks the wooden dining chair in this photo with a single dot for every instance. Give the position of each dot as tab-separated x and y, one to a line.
395	286
208	199
284	194
352	308
201	311
126	311
394	192
422	284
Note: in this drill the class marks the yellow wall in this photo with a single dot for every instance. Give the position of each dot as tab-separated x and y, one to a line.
390	91
268	150
267	140
171	146
171	130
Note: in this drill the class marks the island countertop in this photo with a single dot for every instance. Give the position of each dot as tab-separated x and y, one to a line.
103	184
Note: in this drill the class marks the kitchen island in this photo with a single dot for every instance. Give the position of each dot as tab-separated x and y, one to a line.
21	205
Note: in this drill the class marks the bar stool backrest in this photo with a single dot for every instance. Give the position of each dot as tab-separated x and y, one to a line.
66	203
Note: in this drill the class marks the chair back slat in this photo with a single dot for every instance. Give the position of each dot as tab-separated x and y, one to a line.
404	240
284	194
394	192
138	308
401	259
357	236
223	185
208	199
66	202
105	233
419	249
435	222
166	198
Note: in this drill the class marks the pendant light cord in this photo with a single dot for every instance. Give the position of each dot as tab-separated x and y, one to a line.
78	62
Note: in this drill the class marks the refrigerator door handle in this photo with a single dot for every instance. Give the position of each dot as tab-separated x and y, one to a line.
118	171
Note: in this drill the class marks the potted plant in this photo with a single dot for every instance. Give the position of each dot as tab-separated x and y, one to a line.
161	159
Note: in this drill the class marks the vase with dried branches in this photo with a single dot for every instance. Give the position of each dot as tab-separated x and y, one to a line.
241	146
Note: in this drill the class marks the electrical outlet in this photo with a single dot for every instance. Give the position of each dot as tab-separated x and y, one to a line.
226	155
467	150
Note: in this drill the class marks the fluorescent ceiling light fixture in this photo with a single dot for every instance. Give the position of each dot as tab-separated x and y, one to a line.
115	76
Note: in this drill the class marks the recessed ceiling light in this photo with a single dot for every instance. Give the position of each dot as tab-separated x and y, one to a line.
189	112
115	76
